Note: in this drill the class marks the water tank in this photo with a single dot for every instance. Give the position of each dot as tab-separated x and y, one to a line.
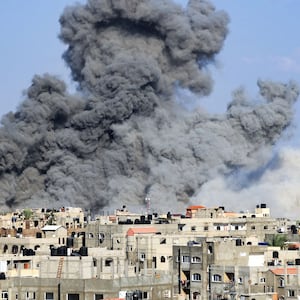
62	251
294	229
83	238
31	252
238	242
137	295
83	251
70	242
53	252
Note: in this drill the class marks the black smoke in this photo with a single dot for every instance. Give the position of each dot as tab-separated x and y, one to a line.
126	137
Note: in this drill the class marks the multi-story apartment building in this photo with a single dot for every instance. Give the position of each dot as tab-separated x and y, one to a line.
207	253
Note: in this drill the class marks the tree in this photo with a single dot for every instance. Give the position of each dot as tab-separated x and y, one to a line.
278	240
27	213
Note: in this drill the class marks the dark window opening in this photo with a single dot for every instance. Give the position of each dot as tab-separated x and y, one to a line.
73	297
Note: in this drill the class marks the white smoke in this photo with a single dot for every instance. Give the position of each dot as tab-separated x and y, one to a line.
277	186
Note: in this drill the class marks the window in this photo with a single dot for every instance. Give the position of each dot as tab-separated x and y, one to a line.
252	227
167	294
266	227
142	256
73	297
98	297
216	278
4	295
162	259
30	295
196	260
196	277
291	293
218	227
14	249
145	295
49	296
193	228
229	277
180	227
240	280
281	282
185	258
101	237
108	262
154	261
205	228
262	280
236	227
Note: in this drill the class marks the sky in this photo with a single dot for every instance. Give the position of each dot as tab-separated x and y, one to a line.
262	44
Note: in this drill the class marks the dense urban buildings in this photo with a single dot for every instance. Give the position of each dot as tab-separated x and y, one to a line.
204	253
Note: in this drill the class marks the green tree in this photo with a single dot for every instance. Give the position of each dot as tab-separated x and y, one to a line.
27	213
51	220
278	240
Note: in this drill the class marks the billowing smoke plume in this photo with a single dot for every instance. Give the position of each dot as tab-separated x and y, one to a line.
275	184
125	137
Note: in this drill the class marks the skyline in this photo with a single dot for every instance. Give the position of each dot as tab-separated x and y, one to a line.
260	44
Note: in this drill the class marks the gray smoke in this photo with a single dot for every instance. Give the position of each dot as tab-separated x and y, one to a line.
125	136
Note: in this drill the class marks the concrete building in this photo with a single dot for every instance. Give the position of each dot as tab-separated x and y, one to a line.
206	253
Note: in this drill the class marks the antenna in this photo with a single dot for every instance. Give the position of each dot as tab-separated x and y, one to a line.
147	201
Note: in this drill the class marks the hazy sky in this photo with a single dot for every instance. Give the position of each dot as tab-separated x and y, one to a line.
262	43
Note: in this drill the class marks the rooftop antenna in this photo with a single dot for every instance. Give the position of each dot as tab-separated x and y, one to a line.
148	200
